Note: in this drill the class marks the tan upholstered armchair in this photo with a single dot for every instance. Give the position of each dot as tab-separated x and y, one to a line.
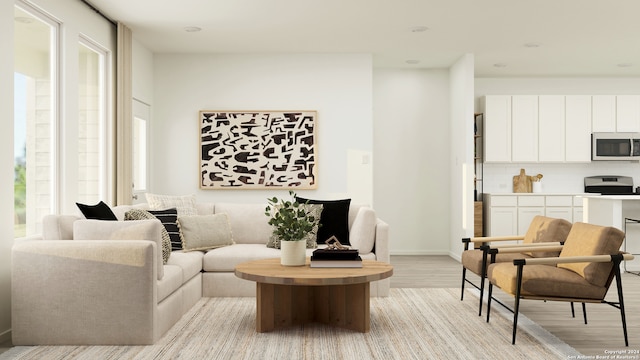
543	231
584	270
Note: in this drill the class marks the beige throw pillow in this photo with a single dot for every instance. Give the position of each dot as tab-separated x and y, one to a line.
205	232
185	205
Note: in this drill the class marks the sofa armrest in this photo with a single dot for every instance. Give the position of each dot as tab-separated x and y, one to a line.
84	292
381	247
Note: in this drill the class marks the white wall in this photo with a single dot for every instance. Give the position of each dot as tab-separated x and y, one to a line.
6	167
338	87
411	165
557	178
461	159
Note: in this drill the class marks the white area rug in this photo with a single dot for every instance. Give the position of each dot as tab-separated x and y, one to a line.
409	324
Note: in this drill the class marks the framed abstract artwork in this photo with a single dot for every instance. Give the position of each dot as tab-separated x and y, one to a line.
258	149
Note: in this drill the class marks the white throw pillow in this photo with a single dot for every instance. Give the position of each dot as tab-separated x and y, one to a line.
363	230
205	232
185	205
122	230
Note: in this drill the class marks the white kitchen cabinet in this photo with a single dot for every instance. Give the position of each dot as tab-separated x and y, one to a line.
524	132
578	125
511	214
603	113
504	221
497	128
551	127
525	215
628	113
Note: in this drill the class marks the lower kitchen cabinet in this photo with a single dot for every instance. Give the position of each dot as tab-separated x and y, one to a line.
511	214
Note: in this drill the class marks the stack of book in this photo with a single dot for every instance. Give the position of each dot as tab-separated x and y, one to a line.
323	258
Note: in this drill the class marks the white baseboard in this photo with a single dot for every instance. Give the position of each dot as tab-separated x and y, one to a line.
418	252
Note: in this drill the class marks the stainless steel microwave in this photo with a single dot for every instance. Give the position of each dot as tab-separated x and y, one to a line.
615	146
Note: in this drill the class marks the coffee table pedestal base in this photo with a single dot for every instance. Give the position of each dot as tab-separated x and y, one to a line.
345	306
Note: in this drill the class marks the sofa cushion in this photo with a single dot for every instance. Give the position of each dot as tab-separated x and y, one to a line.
190	263
186	204
314	210
58	227
171	281
334	220
363	231
586	240
136	214
99	211
249	224
204	232
122	230
226	258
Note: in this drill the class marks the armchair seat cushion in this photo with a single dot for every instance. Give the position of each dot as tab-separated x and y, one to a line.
472	259
543	281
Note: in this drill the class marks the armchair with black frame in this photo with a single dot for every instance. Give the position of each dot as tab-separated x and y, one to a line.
542	231
583	272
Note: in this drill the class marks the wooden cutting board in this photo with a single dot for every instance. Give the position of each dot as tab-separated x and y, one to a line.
522	183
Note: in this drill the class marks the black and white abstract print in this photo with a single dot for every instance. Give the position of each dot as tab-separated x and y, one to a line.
257	149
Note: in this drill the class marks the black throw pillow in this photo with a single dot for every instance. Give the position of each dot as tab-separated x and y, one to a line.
99	211
334	220
169	218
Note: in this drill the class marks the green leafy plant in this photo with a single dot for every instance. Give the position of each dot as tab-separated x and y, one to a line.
289	219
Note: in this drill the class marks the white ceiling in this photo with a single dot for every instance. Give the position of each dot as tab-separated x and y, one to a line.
574	37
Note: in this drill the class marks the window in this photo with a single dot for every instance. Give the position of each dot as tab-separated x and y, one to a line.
91	123
34	118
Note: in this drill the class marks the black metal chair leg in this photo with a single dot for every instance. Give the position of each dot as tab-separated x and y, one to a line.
584	312
573	312
464	273
616	265
489	301
517	304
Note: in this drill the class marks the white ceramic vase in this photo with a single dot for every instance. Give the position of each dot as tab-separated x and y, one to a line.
293	253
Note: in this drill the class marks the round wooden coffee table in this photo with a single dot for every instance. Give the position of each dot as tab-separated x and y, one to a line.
294	295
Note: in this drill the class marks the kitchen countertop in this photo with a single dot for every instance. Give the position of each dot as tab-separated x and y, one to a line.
614	197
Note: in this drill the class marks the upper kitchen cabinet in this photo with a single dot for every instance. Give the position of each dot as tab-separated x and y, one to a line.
551	126
529	128
578	128
612	113
524	128
628	113
497	128
603	113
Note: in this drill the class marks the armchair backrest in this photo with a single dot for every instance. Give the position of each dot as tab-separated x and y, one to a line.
546	229
586	240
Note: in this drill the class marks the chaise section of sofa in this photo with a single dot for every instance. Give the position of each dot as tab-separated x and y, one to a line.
100	291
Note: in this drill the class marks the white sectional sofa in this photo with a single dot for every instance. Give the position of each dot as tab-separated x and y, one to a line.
80	283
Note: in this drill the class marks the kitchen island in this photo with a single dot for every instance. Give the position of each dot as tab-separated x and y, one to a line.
615	210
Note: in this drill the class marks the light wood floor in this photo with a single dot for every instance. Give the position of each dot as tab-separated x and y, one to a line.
603	333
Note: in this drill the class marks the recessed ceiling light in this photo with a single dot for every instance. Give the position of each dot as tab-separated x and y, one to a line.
624	65
412	62
500	65
532	45
418	29
192	29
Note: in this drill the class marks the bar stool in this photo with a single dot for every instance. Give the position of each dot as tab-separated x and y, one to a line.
629	221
